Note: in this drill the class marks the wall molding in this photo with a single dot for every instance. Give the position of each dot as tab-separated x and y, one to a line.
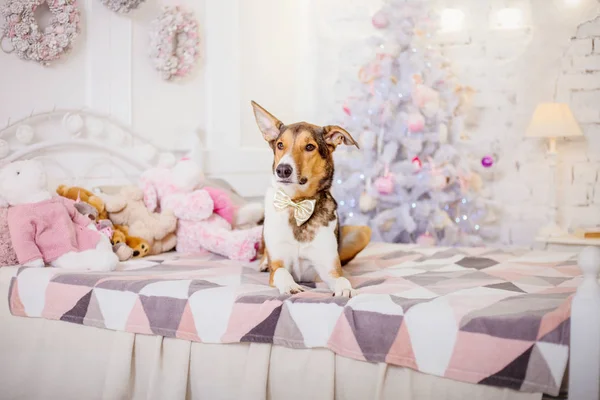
108	62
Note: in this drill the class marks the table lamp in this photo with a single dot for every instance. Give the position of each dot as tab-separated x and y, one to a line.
552	121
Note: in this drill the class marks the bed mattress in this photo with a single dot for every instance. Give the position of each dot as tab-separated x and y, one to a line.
492	317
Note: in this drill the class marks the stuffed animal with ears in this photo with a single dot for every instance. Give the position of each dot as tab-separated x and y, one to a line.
48	229
127	209
125	247
77	193
206	216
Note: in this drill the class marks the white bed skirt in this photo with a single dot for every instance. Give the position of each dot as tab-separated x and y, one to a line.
42	359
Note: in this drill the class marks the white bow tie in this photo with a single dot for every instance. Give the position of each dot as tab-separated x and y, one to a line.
302	210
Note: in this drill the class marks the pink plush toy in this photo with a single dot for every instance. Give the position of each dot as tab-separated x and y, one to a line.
205	215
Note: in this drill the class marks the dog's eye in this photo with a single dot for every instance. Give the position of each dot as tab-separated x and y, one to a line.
18	173
280	146
310	147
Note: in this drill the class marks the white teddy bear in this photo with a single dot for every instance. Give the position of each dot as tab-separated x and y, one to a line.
47	229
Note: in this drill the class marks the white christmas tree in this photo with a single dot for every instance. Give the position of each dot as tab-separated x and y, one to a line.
417	176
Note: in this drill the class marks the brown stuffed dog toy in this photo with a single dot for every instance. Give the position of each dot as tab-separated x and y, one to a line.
140	247
76	193
128	209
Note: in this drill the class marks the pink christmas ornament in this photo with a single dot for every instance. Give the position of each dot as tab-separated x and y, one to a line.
487	161
380	20
416	123
416	161
426	240
385	184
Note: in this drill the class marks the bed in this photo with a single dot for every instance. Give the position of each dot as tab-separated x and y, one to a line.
430	323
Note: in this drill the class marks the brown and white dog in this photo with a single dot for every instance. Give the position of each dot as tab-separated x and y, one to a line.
302	237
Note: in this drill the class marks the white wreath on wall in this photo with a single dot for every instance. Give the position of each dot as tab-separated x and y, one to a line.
24	34
174	42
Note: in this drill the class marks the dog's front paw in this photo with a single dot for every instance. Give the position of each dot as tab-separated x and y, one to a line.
291	289
343	288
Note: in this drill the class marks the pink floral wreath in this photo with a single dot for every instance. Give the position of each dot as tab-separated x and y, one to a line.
29	43
174	42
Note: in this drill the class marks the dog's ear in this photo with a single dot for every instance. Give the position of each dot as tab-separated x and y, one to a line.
267	123
335	135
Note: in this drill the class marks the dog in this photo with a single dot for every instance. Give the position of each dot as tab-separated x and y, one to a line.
302	238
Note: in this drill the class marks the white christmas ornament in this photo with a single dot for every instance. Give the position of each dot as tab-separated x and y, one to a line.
24	134
367	202
430	110
441	220
476	182
389	152
368	139
73	123
443	133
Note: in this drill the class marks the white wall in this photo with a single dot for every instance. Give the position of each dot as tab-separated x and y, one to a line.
512	71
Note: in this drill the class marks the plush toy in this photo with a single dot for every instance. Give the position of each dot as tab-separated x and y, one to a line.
49	230
206	215
86	210
128	209
77	193
185	177
105	226
139	247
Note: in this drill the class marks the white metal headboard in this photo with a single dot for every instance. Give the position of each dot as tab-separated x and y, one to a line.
84	148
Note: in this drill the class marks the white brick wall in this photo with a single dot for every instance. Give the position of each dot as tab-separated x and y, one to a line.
586	63
581	47
556	57
589	29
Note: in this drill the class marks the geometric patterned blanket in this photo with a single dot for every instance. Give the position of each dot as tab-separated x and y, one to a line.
478	315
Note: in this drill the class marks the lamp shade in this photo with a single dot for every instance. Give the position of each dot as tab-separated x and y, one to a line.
553	120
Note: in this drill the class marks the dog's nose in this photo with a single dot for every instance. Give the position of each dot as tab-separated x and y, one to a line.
284	171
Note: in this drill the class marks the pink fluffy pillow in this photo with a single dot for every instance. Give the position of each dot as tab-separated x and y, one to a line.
7	253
